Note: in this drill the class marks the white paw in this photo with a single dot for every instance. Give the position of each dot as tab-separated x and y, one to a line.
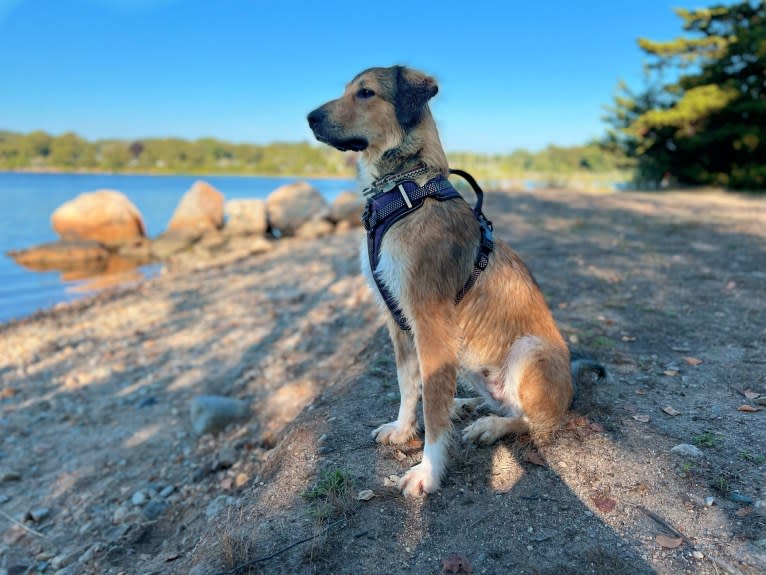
485	431
419	480
394	433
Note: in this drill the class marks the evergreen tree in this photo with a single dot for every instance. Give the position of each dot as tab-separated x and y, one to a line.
707	125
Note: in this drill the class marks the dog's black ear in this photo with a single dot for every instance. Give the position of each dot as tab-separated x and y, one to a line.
413	90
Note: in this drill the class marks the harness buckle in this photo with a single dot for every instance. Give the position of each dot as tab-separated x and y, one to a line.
487	240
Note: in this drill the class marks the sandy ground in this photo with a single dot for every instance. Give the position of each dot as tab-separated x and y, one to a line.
100	471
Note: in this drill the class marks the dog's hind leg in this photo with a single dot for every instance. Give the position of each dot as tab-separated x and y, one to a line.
408	375
436	342
463	406
489	429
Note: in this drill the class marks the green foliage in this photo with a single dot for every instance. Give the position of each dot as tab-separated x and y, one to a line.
706	439
332	495
708	125
38	150
42	151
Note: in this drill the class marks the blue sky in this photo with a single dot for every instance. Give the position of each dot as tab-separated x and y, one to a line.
512	74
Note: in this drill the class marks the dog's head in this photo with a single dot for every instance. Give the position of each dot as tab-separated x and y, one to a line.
378	109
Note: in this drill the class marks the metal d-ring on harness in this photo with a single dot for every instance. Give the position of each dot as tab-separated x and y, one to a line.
384	210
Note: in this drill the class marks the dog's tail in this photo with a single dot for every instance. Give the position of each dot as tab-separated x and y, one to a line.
581	365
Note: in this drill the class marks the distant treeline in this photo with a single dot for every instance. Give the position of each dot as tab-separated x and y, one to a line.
70	152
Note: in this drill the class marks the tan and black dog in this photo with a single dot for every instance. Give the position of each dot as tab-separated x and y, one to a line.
501	336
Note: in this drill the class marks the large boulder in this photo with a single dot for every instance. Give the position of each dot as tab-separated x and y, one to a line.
246	217
292	205
347	207
105	216
199	211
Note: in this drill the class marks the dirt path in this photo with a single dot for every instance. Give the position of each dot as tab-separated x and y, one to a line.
668	291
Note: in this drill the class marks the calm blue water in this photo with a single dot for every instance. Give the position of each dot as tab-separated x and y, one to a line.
28	200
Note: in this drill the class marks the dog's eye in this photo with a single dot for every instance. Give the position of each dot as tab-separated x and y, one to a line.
365	93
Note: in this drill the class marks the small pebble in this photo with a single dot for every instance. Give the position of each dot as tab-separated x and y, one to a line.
687	450
697	555
709	501
154	509
139	498
9	476
38	514
166	491
739	498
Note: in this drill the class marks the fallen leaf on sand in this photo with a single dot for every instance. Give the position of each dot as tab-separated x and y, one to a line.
669	542
748	408
693	360
641	418
604	504
365	495
760	400
414	443
534	458
670	410
456	564
750	394
744	512
628	338
670	372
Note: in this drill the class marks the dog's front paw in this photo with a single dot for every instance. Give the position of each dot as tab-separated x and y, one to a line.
419	480
394	433
484	431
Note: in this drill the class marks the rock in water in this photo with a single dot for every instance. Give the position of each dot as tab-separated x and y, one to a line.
246	217
291	205
199	211
104	216
314	229
347	207
211	413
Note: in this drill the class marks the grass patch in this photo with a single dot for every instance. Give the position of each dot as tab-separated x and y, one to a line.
236	544
332	495
757	459
602	342
721	484
706	439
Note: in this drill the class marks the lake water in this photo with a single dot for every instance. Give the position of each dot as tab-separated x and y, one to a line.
28	200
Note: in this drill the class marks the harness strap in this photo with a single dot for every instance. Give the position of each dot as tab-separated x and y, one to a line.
384	210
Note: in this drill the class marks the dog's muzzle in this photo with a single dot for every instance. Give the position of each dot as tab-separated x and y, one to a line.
328	133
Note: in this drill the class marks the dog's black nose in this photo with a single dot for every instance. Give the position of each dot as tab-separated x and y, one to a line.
316	117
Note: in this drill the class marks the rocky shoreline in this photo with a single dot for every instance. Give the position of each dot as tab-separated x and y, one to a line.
102	233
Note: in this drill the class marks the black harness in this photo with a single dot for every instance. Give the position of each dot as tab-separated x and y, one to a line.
384	210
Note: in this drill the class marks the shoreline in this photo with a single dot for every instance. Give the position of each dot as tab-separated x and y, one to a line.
96	172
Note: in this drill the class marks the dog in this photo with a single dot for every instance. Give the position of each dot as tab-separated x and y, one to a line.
501	336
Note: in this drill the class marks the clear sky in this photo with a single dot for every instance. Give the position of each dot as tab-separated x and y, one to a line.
520	73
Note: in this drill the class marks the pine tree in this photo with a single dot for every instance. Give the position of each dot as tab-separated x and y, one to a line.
707	125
